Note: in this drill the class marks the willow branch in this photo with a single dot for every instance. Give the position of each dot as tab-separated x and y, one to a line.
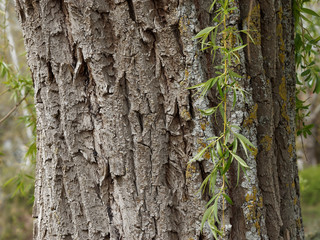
13	109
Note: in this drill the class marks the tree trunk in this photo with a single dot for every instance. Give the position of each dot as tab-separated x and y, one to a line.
117	125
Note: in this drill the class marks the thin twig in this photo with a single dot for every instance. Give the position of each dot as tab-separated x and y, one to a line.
3	92
13	109
303	149
248	23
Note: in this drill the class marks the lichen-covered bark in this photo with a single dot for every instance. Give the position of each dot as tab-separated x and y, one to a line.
117	125
270	68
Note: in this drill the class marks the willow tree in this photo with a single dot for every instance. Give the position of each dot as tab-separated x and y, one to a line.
117	124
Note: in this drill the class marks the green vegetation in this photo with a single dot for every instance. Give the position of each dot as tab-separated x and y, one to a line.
17	131
310	195
226	41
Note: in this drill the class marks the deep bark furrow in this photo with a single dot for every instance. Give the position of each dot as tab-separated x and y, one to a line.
265	113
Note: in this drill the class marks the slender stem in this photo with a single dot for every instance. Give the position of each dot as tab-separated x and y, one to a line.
224	118
5	91
13	109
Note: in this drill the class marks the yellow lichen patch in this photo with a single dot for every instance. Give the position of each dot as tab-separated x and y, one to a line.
252	116
186	74
199	140
207	155
281	57
290	150
254	209
182	25
203	145
204	124
268	82
185	114
252	212
295	200
190	170
285	115
298	223
258	214
254	151
293	185
253	196
288	127
266	141
257	225
283	89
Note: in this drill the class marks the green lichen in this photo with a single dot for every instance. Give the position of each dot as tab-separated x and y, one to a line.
254	207
266	141
252	116
182	25
185	114
204	123
283	89
191	169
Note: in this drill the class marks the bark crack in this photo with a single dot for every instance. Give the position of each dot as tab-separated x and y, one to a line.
131	10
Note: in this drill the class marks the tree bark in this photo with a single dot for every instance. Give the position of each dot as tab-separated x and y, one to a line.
117	125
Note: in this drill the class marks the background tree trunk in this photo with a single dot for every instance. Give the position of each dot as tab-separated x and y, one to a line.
117	126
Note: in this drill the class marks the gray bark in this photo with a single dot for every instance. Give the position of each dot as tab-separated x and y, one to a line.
117	125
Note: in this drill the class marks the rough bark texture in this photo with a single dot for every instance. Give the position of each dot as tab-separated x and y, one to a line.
117	126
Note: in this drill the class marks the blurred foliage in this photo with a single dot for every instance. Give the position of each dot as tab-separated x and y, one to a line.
307	42
17	131
16	220
310	185
310	195
314	236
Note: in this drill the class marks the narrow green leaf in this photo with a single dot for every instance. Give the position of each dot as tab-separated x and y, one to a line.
211	200
219	150
215	209
227	198
208	111
240	160
234	74
204	32
235	146
244	139
212	5
206	215
238	48
305	73
200	85
213	179
309	11
199	155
